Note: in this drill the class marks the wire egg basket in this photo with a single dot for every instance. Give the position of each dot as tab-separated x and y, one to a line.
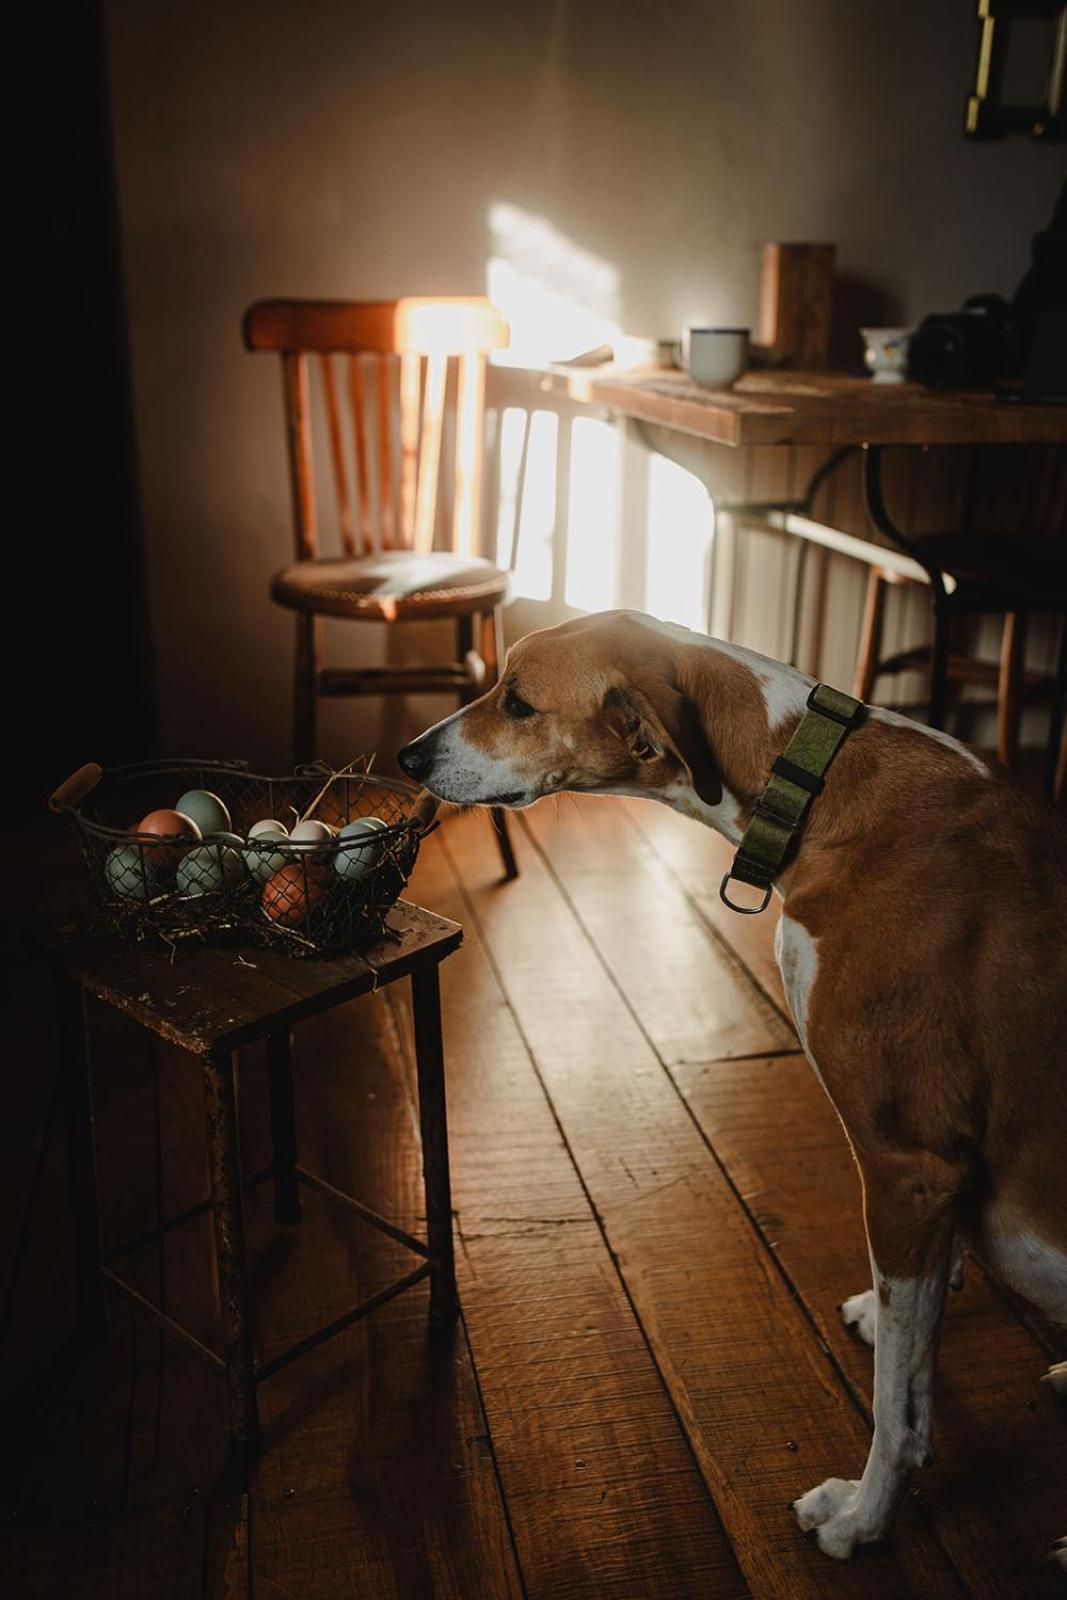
325	896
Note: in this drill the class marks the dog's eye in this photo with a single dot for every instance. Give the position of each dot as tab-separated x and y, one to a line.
515	706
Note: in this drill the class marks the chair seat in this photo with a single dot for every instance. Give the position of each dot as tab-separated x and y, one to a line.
1002	573
392	585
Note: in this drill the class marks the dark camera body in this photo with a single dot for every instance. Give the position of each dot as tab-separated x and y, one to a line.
970	349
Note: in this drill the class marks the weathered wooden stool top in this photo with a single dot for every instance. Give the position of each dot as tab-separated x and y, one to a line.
206	999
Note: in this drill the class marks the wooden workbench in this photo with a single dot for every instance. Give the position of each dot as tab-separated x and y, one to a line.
810	408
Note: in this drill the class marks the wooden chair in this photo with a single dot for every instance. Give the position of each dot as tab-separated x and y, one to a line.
1009	559
406	554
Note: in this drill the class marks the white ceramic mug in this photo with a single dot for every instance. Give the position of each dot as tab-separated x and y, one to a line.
716	356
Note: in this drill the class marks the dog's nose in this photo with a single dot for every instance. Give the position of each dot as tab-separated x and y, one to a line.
415	759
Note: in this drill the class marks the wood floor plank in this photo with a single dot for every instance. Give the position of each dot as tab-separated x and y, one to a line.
602	1490
153	1555
377	1477
765	1410
698	857
996	1495
694	996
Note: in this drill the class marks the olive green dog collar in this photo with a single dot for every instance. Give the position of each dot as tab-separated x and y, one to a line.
797	776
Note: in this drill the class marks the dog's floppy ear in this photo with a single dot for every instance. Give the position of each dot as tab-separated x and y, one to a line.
654	721
628	713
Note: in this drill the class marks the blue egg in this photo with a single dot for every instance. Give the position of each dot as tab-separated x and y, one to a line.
208	868
133	874
206	810
358	851
263	862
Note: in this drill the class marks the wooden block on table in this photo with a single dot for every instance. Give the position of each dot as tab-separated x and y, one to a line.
796	291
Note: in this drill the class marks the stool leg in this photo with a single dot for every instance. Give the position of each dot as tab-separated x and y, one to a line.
77	1092
430	1062
283	1128
224	1157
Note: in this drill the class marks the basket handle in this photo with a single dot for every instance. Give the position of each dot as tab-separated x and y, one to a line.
73	790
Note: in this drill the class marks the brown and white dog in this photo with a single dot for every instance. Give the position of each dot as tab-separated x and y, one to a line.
921	945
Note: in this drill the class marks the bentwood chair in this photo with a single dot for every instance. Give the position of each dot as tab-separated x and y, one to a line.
409	552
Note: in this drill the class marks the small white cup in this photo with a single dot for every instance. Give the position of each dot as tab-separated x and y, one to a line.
886	353
716	356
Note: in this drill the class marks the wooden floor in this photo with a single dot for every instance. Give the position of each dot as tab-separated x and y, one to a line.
656	1215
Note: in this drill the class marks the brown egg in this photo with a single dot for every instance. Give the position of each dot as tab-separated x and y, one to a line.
285	897
169	826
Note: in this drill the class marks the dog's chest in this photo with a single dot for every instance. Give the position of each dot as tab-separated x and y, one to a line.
796	952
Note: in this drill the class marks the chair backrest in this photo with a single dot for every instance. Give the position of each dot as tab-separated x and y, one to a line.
394	357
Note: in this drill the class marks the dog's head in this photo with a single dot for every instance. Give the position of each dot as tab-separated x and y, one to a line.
592	705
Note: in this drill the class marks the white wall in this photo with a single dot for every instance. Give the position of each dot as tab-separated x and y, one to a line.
344	149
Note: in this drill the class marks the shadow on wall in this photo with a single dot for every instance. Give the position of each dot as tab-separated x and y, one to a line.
858	304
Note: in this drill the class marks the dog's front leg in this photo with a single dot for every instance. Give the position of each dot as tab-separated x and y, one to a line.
909	1231
859	1312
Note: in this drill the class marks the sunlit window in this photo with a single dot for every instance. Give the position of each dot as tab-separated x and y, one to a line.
526	517
593	513
680	525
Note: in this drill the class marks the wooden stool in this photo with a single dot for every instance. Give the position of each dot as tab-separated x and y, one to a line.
210	1004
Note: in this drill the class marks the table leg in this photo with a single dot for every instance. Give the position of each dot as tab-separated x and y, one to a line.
283	1127
77	1093
224	1157
429	1057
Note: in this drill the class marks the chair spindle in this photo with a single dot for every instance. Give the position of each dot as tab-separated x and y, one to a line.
298	439
430	454
337	456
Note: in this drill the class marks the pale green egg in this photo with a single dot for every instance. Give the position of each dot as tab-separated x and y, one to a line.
263	862
206	810
207	869
358	850
133	874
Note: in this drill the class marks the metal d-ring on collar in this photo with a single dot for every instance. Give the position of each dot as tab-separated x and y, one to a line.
797	776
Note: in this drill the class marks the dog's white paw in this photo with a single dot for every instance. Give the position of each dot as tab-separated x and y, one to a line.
859	1313
1058	1554
1057	1377
829	1512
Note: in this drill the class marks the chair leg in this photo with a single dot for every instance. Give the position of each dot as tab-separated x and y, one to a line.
870	636
287	1208
76	1085
492	643
499	818
433	1122
492	653
1010	689
224	1159
305	687
939	668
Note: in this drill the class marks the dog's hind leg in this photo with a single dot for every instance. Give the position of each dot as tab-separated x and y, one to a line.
1056	1377
909	1214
